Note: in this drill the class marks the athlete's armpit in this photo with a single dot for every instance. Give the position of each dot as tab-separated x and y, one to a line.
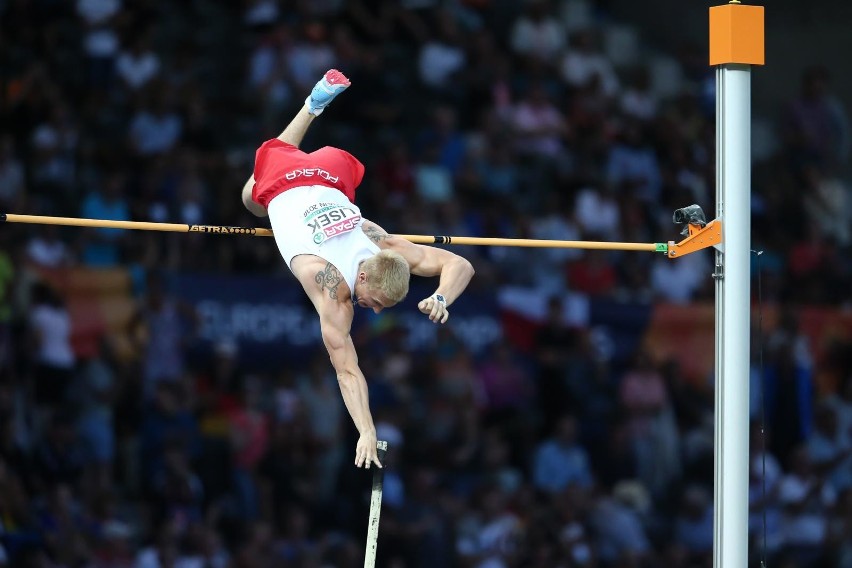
329	278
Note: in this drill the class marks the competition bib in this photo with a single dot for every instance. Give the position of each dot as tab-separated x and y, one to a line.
327	220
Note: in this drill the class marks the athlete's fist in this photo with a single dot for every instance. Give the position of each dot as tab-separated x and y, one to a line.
435	306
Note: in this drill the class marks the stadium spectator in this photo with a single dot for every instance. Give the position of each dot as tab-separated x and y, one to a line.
560	461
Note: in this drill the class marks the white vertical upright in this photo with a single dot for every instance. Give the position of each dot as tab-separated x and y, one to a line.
733	191
736	43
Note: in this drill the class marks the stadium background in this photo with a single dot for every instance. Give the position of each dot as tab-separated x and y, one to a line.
165	400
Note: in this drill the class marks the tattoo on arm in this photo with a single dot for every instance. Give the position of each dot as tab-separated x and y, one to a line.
375	234
329	279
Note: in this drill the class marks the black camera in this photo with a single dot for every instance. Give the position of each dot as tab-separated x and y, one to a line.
692	215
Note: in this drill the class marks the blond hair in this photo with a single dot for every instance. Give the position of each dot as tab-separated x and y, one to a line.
388	272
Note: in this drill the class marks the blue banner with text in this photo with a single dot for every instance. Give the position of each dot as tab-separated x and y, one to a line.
273	322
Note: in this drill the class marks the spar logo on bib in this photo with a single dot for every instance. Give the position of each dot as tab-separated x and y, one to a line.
327	220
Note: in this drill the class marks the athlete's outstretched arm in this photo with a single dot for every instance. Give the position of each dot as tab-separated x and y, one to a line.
335	323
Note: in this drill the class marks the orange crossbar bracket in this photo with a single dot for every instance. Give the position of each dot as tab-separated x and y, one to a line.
698	238
736	34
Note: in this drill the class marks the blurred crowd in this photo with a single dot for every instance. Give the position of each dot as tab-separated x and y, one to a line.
542	119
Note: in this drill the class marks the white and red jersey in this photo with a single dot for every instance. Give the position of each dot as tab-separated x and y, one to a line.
310	200
321	221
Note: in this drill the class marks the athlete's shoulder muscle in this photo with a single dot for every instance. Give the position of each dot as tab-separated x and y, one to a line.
320	279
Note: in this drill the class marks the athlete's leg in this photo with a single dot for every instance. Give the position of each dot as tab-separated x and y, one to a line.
332	84
293	134
298	127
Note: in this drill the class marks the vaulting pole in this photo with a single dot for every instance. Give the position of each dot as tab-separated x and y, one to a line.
736	43
375	507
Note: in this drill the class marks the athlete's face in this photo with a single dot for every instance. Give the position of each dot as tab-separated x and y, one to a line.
367	297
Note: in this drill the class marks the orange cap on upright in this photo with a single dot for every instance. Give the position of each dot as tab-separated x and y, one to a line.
736	34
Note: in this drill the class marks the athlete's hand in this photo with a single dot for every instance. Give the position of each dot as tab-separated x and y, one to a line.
435	306
366	452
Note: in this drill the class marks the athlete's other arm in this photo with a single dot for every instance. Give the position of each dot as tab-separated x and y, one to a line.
336	323
455	271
